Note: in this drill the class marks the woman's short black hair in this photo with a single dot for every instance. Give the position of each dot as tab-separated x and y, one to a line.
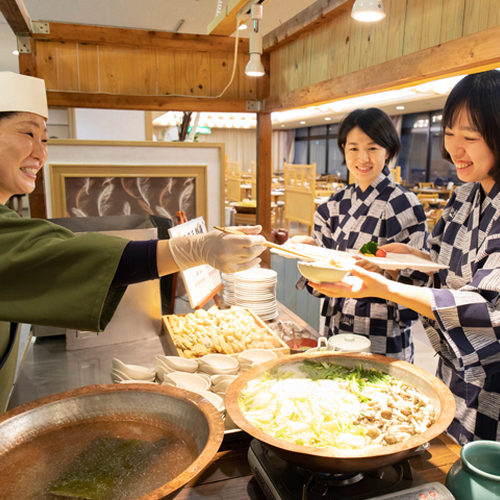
479	96
376	125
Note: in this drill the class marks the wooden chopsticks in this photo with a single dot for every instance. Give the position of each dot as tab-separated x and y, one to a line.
269	244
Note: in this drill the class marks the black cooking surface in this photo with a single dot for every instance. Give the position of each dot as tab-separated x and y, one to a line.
281	480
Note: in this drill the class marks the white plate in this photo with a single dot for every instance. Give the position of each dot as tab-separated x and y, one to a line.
395	261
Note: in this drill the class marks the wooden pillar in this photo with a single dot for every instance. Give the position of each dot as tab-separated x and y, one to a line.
264	179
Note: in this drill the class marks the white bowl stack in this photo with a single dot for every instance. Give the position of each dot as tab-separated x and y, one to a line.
228	294
255	289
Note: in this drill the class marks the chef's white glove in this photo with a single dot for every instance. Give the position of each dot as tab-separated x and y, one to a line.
228	253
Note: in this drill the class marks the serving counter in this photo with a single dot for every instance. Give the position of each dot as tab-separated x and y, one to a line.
48	368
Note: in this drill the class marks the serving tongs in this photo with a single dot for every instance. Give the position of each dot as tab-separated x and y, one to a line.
281	248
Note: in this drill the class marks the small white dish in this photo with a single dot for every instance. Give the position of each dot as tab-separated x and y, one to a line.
322	272
219	378
188	381
176	363
134	371
252	357
221	387
215	399
218	363
161	370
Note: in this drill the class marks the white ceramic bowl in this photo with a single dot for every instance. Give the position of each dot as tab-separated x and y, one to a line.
214	364
176	363
215	399
118	376
254	357
188	381
161	370
219	378
321	272
221	387
134	371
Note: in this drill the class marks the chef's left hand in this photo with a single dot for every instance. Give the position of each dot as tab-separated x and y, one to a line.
359	284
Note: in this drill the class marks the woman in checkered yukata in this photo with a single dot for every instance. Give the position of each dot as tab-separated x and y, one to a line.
460	306
374	208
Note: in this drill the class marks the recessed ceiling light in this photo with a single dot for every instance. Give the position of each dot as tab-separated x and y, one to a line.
400	107
282	125
327	118
302	123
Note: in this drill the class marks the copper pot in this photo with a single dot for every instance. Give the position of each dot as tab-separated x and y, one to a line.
168	410
350	461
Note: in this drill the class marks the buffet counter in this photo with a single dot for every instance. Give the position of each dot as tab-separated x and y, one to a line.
48	368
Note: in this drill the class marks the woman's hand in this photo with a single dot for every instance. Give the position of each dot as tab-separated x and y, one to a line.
302	239
360	284
403	248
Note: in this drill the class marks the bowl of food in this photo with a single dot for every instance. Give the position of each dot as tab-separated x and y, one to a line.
326	270
340	412
127	441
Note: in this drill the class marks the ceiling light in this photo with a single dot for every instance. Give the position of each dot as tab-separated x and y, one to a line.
327	118
242	27
255	66
400	107
302	123
15	52
368	10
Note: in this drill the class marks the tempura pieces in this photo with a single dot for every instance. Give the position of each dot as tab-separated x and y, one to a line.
226	331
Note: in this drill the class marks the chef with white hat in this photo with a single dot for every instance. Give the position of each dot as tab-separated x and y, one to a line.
50	276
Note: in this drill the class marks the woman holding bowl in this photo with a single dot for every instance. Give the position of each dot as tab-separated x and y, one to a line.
373	209
460	307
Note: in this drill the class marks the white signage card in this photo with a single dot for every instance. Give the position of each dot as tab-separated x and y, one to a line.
201	282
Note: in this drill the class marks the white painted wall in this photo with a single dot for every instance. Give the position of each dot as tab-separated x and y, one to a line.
110	124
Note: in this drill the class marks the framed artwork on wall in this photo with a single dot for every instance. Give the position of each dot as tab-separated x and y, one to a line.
104	190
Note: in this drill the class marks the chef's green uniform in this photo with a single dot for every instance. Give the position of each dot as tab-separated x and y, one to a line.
50	276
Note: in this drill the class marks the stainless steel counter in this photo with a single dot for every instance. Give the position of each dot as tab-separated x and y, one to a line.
48	368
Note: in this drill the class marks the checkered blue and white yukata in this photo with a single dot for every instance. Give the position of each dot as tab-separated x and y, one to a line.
385	212
465	301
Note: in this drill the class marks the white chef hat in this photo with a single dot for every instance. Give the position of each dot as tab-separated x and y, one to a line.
23	93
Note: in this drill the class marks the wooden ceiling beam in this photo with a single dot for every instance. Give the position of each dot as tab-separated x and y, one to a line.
142	103
311	18
100	35
17	17
472	53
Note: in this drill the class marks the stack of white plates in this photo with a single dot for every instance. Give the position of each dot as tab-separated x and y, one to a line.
228	294
255	289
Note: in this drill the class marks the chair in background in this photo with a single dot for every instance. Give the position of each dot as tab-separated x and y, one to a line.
233	180
426	185
253	181
396	173
425	199
433	218
300	191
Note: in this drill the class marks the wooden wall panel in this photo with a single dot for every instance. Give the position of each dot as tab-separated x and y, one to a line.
165	75
396	15
46	55
452	21
431	24
88	64
142	71
202	73
348	46
67	67
109	75
339	45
